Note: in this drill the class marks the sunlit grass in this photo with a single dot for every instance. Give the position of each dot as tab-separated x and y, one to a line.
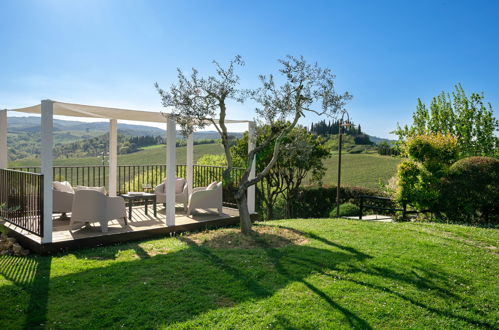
342	274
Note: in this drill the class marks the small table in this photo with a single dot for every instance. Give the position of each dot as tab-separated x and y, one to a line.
146	197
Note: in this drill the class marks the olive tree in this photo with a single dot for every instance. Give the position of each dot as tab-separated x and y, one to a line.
199	101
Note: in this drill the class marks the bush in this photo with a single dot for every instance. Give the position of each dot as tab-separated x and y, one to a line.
419	178
434	151
346	210
470	192
316	202
357	149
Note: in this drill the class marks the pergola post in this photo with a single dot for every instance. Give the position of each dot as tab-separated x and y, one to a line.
3	139
171	141
47	123
251	145
190	162
113	156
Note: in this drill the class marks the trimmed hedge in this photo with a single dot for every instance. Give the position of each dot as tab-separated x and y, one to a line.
470	192
346	210
317	202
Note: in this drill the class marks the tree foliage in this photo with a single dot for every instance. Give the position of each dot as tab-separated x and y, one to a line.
469	118
302	154
197	101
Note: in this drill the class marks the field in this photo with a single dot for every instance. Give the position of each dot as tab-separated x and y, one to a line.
338	274
363	170
147	156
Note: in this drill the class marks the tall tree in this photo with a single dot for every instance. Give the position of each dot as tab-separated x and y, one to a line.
304	154
469	118
305	88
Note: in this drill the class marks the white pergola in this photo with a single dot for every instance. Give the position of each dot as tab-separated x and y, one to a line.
48	108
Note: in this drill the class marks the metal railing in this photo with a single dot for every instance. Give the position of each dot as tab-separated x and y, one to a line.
134	177
385	200
21	199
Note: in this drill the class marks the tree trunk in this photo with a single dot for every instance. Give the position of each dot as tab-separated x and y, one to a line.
270	211
244	215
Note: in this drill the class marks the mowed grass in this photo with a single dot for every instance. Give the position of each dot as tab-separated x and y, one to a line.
361	170
346	274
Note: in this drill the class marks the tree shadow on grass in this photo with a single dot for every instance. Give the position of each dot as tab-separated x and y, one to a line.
163	289
31	276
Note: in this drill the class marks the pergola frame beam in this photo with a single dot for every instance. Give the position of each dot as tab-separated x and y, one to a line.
48	108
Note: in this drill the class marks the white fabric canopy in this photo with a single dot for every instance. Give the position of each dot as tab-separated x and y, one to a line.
92	111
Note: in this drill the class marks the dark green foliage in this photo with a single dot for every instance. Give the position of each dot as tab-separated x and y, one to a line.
356	150
385	149
325	129
362	139
346	210
302	154
317	202
470	193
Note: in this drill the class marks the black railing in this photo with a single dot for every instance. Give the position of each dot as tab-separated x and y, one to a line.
134	177
21	199
386	205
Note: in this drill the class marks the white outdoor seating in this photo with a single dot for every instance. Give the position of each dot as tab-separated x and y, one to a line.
206	198
94	206
181	192
63	195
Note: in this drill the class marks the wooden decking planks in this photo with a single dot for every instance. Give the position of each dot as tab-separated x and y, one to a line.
141	226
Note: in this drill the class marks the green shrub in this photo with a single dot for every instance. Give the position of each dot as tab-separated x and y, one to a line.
434	151
346	210
416	186
470	192
316	202
357	149
419	178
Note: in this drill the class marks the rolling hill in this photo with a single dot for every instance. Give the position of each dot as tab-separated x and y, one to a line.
357	170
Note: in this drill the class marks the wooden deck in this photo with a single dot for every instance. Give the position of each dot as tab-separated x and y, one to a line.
141	226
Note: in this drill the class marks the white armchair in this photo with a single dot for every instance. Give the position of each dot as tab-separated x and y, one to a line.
62	197
206	198
181	192
94	206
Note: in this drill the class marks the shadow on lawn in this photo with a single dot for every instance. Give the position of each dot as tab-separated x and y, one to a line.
32	274
162	289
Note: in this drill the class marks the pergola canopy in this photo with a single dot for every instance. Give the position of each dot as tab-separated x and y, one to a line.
92	111
48	108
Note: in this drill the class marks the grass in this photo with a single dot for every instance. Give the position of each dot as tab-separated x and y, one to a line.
362	170
344	274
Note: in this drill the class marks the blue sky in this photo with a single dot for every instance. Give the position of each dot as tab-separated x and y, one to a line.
385	53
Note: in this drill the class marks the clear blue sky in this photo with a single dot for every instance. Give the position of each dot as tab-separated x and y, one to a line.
386	53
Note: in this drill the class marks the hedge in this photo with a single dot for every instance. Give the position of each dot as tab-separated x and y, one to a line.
317	202
470	192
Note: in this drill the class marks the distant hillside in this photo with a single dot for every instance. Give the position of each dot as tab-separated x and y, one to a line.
32	124
24	135
378	140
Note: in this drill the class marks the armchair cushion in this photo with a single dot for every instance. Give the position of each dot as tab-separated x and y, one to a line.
64	186
102	190
212	186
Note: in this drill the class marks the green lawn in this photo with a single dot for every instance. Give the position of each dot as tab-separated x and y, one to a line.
346	274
